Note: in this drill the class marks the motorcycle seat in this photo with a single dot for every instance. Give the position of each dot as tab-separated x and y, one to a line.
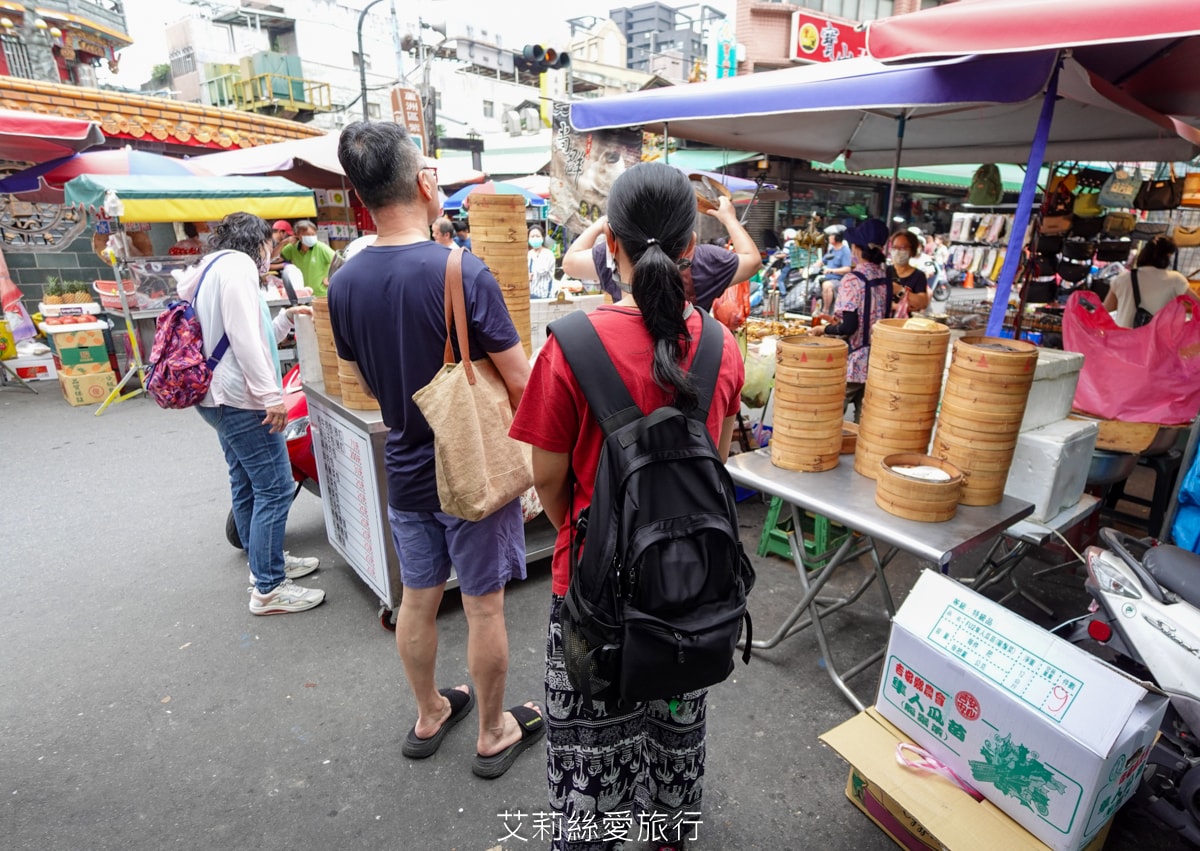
1176	570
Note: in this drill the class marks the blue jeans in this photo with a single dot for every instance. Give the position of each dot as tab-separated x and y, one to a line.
260	477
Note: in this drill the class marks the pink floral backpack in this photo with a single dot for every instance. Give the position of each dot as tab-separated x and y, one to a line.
179	375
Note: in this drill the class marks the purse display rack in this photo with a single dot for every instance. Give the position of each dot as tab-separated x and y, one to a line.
978	243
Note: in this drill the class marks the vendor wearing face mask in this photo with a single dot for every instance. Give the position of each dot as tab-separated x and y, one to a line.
541	266
903	247
311	256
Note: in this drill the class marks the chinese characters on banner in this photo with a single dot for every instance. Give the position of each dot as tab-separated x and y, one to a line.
408	110
818	39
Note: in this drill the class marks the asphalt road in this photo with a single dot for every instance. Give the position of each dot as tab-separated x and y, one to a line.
143	707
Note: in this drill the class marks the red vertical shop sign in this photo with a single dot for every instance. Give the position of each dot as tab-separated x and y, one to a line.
819	39
408	111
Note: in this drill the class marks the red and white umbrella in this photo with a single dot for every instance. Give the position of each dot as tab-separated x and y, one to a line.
122	161
1149	49
33	138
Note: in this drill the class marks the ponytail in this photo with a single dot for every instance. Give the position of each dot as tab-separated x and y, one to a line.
652	213
659	291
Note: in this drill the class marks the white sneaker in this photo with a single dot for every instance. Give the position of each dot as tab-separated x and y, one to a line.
285	597
294	567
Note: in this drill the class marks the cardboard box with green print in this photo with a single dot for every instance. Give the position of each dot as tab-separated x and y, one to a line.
1047	732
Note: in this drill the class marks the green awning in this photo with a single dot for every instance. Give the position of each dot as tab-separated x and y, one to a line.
957	176
708	160
191	198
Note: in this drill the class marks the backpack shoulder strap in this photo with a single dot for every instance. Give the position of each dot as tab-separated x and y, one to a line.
1137	291
222	344
606	393
706	364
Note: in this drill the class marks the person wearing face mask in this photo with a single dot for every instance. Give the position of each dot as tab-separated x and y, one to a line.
245	403
311	256
903	250
541	266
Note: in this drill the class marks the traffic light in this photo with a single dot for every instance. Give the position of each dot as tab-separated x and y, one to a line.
541	58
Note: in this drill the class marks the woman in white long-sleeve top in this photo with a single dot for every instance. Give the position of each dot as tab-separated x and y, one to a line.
245	403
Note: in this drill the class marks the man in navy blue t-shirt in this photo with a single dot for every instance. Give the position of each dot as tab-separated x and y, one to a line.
386	306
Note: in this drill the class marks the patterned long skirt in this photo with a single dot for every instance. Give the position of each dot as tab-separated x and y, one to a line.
628	773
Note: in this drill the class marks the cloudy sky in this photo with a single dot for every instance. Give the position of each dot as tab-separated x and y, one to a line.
147	18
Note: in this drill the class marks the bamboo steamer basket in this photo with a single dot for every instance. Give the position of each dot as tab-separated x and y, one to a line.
961	455
996	385
849	438
983	488
975	419
993	440
801	414
802	395
802	461
354	396
904	366
827	440
907	383
984	402
500	235
895	400
894	336
917	499
805	352
871	442
995	356
810	383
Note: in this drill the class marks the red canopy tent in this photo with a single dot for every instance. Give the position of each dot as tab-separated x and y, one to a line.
1150	49
33	138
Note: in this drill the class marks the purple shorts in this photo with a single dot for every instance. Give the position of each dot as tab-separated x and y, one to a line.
485	554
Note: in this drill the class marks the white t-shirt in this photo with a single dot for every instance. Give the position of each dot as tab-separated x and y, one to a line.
1158	287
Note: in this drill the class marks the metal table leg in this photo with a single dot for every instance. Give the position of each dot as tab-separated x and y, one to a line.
820	607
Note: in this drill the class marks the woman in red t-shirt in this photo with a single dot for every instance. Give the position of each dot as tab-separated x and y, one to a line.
647	757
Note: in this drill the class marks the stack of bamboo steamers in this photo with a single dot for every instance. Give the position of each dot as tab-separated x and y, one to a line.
929	450
340	377
982	408
500	239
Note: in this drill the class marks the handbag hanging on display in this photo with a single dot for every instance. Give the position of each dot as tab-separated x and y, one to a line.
1120	189
1074	272
1078	249
1146	231
1119	224
1113	250
1049	246
1186	237
480	469
1059	200
1086	228
1087	206
1191	190
1161	193
1091	179
1055	225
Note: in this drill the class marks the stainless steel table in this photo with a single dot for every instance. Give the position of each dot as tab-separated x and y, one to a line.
1014	544
847	498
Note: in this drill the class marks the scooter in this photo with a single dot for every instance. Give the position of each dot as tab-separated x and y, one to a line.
298	436
1146	611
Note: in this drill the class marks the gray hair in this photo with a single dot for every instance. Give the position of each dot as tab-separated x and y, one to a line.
382	163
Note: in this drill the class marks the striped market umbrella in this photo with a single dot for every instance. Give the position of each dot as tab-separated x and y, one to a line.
41	185
460	198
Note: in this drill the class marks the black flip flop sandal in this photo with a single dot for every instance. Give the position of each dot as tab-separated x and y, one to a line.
461	704
533	726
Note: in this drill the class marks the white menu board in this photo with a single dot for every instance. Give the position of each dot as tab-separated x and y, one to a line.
350	496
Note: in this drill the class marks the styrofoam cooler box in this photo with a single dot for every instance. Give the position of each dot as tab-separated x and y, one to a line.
1047	732
1050	465
1053	388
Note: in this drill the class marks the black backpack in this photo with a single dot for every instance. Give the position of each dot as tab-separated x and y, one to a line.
1141	315
657	598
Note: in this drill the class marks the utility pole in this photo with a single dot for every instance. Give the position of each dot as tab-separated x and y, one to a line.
362	62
